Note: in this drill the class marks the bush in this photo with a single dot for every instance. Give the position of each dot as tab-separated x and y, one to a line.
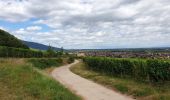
71	59
139	69
158	70
43	63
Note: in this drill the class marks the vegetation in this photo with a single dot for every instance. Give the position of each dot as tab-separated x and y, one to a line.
43	63
50	51
20	81
9	40
27	53
19	52
138	69
10	46
71	59
139	90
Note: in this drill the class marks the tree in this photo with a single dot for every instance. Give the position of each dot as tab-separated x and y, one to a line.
50	51
62	50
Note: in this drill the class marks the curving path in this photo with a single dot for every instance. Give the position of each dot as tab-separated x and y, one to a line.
88	90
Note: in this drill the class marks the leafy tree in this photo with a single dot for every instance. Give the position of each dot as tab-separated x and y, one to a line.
51	52
62	50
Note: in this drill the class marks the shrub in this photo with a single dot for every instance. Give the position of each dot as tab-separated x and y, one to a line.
71	59
158	70
43	63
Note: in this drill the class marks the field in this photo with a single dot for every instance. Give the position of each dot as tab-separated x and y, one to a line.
129	86
21	80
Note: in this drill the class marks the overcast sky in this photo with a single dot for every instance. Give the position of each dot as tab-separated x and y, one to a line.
89	23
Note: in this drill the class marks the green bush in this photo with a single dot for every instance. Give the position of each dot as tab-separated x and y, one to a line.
43	63
138	69
71	59
159	70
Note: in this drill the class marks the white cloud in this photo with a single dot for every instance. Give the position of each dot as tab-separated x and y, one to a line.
14	10
1	27
92	23
33	28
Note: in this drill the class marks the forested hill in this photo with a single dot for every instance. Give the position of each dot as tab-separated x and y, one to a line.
6	39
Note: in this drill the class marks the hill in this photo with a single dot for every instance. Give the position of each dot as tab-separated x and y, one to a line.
39	46
6	39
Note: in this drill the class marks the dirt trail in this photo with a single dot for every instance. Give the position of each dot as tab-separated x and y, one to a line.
83	87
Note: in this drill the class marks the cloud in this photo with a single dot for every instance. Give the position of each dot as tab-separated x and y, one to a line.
1	27
92	23
33	28
14	10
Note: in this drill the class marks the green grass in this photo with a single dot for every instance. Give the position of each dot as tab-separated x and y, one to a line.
20	81
139	90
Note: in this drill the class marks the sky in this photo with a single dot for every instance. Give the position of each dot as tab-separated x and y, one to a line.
89	24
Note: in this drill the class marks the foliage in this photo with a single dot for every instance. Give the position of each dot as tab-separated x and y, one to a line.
71	59
62	50
50	52
139	69
137	89
19	52
159	70
43	63
26	53
20	81
9	40
10	46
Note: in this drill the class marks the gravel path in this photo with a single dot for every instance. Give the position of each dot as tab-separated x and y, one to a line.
88	90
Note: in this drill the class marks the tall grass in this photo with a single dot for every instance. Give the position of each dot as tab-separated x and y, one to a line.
20	81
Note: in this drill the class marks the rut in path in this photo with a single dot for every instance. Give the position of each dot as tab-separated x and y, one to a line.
88	90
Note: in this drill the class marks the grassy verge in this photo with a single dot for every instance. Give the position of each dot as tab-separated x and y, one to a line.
138	90
20	81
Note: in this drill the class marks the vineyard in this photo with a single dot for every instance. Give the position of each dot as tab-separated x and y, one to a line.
147	70
26	53
19	52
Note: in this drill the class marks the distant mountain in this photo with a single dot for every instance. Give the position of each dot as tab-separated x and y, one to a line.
39	46
6	39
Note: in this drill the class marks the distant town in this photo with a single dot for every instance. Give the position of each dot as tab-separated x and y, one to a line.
161	53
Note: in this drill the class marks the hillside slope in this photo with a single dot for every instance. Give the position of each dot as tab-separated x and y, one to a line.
6	39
